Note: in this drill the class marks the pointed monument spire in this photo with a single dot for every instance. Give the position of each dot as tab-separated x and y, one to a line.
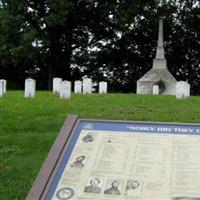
160	48
160	33
160	61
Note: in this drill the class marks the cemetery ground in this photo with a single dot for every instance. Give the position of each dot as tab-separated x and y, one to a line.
28	127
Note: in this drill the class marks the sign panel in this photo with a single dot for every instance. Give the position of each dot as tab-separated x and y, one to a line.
105	160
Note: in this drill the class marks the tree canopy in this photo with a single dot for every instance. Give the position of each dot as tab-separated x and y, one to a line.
110	40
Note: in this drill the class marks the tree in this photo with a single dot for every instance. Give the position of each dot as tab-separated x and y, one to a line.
16	53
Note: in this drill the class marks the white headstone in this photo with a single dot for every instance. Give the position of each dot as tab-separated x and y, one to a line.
65	90
1	88
4	85
77	87
155	90
30	86
103	87
182	90
56	85
87	86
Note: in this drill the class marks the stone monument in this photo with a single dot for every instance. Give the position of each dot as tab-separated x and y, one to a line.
65	90
159	74
103	87
182	90
30	86
87	86
56	85
77	87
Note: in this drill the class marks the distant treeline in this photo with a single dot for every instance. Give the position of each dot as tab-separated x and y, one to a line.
107	40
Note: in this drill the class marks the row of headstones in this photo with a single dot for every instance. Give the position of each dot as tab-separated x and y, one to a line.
3	84
63	88
182	90
30	86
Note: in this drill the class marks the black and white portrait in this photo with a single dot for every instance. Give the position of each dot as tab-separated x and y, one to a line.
133	188
93	186
79	162
88	138
113	189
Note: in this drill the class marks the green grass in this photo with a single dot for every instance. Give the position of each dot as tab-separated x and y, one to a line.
28	127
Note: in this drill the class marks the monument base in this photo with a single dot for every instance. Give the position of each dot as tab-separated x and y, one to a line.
160	77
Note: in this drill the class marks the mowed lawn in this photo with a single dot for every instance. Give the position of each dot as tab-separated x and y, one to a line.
28	127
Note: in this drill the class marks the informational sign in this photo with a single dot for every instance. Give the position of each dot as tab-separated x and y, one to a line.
108	160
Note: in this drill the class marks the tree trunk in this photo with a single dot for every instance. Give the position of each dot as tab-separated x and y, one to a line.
50	78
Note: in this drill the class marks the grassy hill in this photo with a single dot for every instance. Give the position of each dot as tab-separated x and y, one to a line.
28	127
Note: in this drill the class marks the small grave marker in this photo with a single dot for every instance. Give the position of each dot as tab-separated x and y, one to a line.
65	90
30	87
77	87
182	90
155	90
1	88
87	86
103	87
56	85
